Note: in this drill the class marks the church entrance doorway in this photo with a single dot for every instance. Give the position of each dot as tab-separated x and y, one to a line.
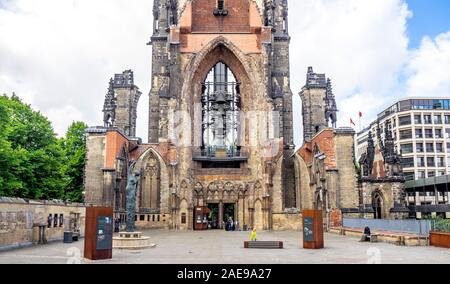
218	216
229	216
213	217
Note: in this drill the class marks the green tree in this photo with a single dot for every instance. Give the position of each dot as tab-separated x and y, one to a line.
74	146
34	163
9	183
28	129
35	168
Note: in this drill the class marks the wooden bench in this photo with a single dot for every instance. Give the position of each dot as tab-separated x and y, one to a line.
264	245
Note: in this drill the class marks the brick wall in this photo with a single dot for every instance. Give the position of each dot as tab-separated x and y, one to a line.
237	20
336	218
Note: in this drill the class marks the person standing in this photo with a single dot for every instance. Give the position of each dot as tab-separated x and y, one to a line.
253	236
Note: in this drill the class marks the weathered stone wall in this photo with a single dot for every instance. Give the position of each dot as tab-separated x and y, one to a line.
333	185
287	222
95	162
153	221
391	194
277	195
106	166
306	193
127	99
314	119
19	221
347	191
340	178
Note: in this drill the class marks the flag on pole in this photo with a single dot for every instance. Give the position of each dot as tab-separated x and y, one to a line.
360	120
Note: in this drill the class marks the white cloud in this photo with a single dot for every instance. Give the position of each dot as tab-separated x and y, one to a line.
59	54
429	68
361	45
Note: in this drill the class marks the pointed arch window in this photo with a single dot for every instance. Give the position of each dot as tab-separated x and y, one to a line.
221	105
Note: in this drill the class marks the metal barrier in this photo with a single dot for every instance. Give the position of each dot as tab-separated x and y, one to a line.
419	227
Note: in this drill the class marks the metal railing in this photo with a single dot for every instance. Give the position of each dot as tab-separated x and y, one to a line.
419	227
218	152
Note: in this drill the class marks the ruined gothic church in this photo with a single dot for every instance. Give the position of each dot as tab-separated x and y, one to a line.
221	127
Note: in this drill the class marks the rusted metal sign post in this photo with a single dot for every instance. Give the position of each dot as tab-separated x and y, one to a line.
313	237
98	233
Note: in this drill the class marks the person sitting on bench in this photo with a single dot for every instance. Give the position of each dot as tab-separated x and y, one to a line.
367	234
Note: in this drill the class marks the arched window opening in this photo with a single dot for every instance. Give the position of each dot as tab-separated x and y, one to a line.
377	205
150	195
221	106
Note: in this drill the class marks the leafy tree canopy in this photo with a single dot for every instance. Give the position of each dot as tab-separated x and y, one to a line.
35	163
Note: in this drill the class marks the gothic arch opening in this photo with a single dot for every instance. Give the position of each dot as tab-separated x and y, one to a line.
220	51
221	104
221	86
150	197
377	204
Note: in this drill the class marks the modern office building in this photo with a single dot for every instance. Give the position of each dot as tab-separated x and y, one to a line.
421	131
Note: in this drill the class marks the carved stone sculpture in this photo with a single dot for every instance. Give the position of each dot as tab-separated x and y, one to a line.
133	181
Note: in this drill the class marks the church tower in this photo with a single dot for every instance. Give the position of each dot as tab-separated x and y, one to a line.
120	108
164	72
319	104
221	98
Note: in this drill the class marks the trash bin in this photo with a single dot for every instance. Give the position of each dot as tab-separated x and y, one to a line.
68	237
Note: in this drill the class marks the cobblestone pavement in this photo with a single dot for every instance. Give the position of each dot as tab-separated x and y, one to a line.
219	247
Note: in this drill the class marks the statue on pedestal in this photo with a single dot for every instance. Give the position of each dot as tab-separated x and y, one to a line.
130	239
133	181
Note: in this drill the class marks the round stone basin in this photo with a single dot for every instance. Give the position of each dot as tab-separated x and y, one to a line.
132	241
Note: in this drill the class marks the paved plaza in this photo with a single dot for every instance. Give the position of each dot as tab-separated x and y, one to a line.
219	247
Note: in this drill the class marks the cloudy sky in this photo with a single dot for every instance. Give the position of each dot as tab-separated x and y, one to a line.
58	55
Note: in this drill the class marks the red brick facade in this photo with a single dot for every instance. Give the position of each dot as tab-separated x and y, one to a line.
325	141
